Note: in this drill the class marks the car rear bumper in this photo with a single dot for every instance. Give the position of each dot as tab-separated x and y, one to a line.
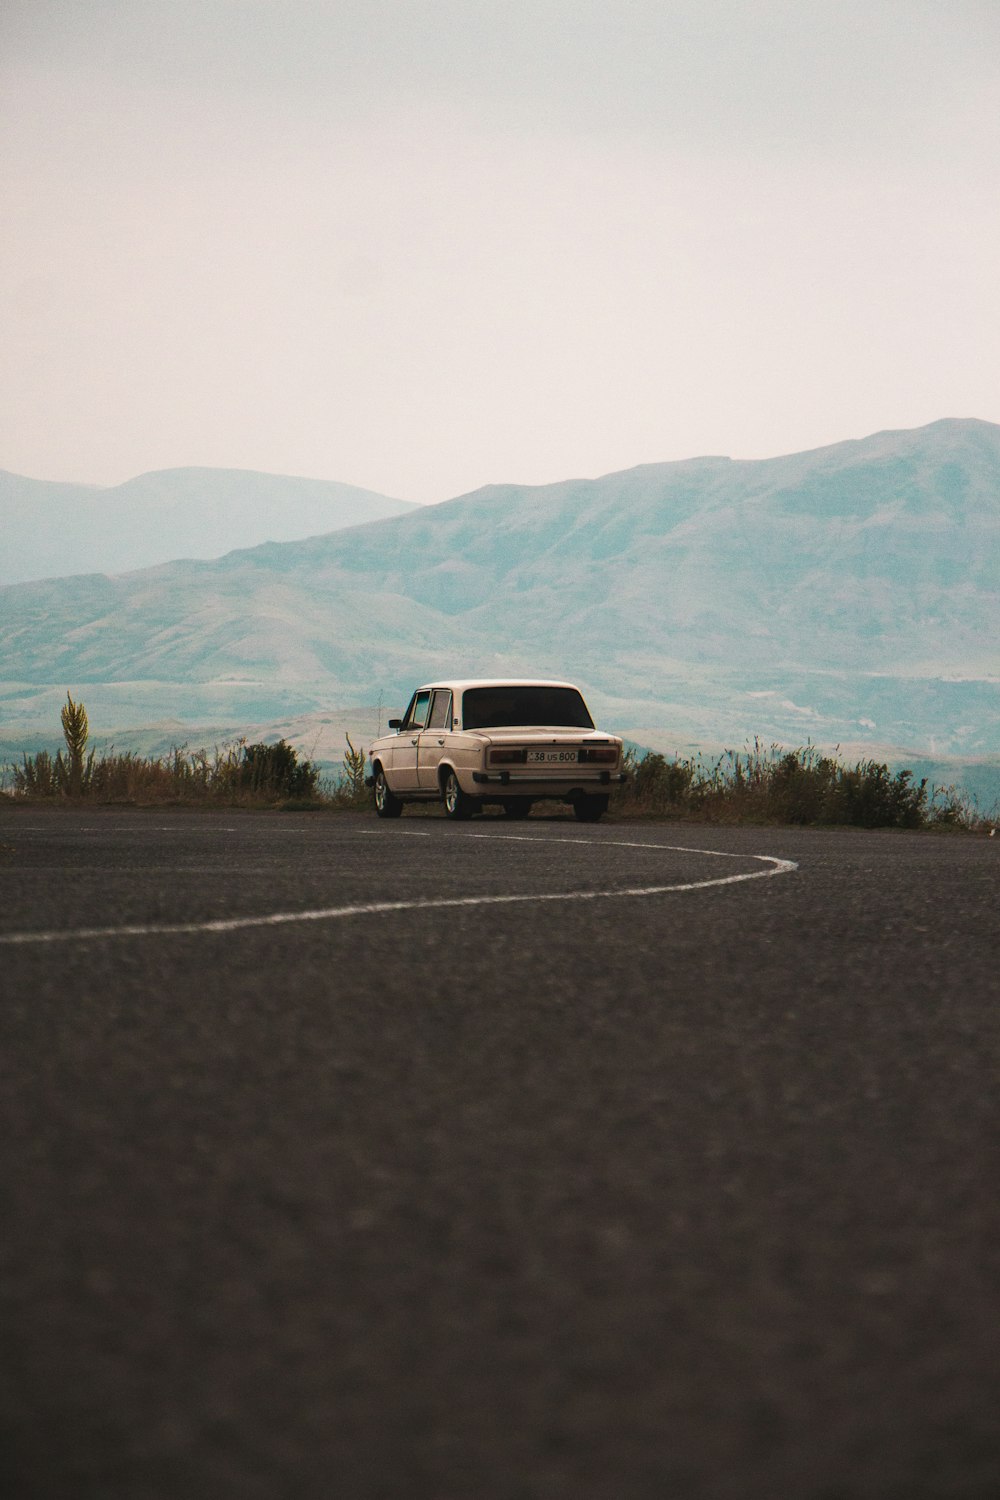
549	785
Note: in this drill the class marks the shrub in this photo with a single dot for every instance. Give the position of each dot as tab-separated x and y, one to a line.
662	783
869	796
37	775
275	771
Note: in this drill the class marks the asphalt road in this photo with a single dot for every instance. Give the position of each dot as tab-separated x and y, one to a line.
319	1184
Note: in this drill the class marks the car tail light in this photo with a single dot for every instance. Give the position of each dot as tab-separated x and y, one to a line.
506	757
599	755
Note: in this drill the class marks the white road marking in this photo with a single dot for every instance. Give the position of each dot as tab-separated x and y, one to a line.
527	838
378	908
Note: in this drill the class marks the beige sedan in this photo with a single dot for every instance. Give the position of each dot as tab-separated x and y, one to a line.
507	742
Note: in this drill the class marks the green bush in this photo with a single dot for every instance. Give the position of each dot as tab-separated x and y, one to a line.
657	783
275	771
38	775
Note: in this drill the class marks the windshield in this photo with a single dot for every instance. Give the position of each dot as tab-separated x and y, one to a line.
496	707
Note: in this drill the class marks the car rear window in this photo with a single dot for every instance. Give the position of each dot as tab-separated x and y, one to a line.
495	707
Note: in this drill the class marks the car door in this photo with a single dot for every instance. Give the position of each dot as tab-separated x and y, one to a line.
433	739
404	751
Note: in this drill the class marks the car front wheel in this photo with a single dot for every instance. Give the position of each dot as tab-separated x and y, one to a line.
386	804
456	804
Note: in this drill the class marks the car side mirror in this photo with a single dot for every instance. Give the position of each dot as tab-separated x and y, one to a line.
395	723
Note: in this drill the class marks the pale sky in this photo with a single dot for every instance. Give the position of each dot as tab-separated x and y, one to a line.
425	245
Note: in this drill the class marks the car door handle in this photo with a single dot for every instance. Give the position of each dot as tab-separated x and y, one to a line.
416	741
440	742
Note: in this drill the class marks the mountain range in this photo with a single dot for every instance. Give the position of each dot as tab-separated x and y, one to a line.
849	595
50	529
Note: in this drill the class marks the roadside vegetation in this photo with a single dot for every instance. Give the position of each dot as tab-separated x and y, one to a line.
769	784
760	784
235	774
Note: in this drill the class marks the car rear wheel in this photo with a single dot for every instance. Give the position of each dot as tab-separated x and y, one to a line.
456	804
517	807
590	808
386	804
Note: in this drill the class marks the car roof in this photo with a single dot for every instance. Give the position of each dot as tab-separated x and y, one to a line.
460	685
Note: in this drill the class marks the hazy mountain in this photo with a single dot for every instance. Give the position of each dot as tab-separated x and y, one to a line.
50	530
850	594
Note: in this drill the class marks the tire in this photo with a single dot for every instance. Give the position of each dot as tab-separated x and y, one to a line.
590	808
387	805
456	804
517	807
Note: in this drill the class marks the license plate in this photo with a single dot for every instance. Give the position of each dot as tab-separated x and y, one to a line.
553	757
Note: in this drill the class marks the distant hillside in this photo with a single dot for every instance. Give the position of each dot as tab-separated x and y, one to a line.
51	530
850	594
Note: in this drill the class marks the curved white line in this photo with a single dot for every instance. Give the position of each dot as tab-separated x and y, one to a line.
376	908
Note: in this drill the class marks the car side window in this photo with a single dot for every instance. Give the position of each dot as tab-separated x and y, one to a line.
416	718
440	710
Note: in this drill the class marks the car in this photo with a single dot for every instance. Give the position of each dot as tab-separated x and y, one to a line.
506	742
